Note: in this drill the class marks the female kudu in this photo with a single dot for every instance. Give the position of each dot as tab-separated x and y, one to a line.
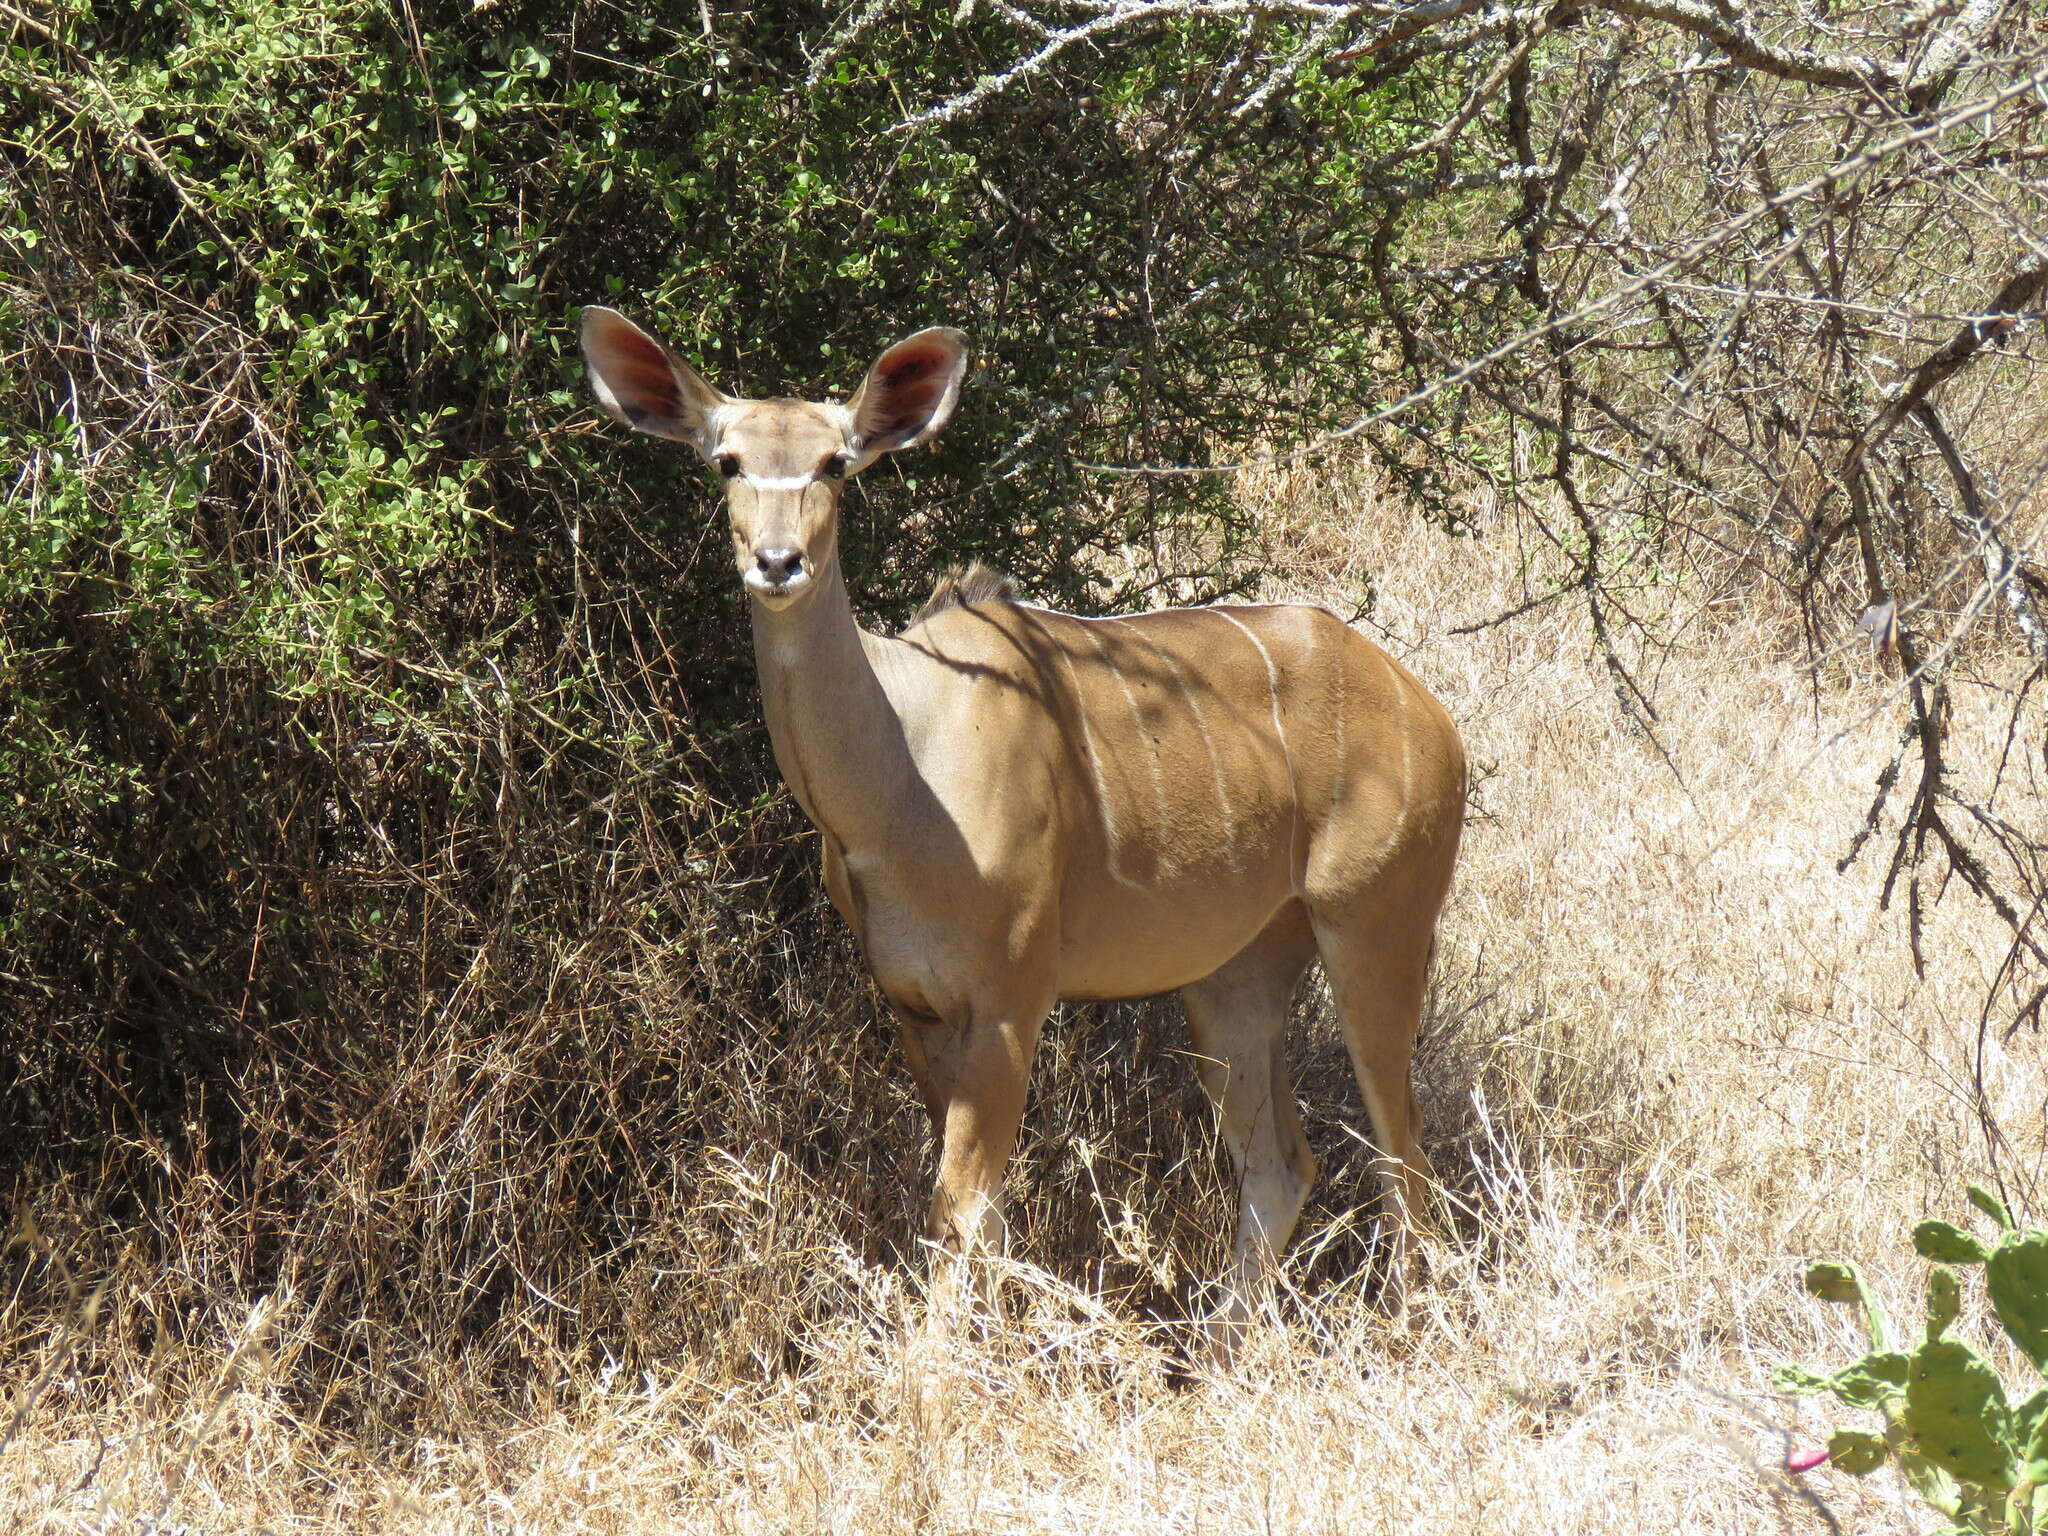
1019	806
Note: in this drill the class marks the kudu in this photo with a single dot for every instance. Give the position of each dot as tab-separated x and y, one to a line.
1019	806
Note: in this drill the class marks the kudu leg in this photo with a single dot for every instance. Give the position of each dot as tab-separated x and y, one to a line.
1377	982
1238	1020
973	1077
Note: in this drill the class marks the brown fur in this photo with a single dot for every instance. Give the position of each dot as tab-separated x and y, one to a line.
965	585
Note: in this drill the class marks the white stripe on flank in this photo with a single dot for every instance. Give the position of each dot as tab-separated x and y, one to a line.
1407	799
1297	845
779	483
1272	685
1138	728
1338	766
1109	833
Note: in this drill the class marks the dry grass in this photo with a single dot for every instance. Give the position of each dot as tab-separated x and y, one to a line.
1673	1054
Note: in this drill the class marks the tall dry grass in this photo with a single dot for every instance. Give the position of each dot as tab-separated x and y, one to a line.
1672	1053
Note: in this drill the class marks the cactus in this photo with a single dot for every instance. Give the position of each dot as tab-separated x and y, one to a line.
1857	1451
2030	1424
1844	1283
2029	1418
1871	1380
1946	1243
2016	1275
1957	1414
1990	1205
1947	1420
1944	1301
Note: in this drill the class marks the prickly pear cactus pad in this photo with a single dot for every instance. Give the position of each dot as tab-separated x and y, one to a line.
1835	1282
2030	1419
1946	1243
1956	1411
1990	1205
1844	1284
1856	1451
2016	1274
1872	1380
1944	1301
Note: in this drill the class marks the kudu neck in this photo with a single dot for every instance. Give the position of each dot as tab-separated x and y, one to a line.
838	739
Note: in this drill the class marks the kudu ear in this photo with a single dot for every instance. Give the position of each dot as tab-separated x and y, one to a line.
644	384
909	395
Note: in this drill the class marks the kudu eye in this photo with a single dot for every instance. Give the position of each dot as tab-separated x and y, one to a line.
728	465
835	468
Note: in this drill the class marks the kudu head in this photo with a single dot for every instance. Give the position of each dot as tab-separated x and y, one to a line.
784	461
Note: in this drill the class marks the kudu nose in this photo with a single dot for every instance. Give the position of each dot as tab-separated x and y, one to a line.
779	566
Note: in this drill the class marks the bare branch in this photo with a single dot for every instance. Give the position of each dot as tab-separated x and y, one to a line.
2002	568
1834	177
2003	314
1725	30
